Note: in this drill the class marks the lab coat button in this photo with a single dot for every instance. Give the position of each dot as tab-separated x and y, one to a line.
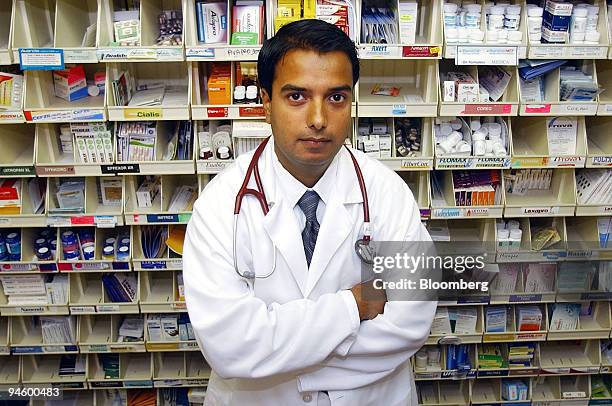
307	398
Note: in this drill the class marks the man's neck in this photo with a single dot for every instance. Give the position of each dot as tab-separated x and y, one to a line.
306	175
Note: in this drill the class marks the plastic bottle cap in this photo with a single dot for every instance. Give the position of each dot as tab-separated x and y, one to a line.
126	248
239	92
580	12
108	250
473	8
223	152
503	234
516	233
577	36
251	93
535	11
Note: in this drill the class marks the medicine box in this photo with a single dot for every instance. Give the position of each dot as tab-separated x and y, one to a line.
70	84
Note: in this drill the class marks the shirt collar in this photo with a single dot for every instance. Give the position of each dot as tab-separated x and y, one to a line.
293	189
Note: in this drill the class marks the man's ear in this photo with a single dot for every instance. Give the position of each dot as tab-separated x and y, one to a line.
266	100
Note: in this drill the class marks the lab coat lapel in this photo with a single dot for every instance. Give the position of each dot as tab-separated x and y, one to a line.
333	232
282	228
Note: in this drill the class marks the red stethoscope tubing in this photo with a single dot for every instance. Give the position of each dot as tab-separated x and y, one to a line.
261	197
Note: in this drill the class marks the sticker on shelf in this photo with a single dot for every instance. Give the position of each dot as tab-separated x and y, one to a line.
142	54
105	221
217	112
120	169
421	52
483	109
31	309
530	336
65	115
489	338
145	383
58	221
546	52
594	52
539	211
536	162
18	171
212	166
162	218
239	53
206	53
90	266
567	161
537	108
41	59
415	164
587	109
454	163
476	212
398	109
80	56
17	267
82	220
380	51
601	161
108	308
479	55
12	116
607	108
179	305
138	113
256	112
446	212
522	298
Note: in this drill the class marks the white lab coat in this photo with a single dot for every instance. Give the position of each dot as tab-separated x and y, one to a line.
298	331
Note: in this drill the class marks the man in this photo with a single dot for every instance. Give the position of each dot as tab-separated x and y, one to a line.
305	330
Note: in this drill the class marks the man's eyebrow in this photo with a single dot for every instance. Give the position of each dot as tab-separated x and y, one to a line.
294	88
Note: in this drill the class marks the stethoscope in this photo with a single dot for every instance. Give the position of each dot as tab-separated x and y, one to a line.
362	246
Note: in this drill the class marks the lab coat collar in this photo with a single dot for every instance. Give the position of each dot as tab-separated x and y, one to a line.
282	226
340	179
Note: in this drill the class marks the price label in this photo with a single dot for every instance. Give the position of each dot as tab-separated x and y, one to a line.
537	108
217	112
477	55
398	109
140	113
41	59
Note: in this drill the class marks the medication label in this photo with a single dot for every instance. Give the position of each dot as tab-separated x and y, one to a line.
212	166
80	56
64	115
421	52
239	53
567	161
17	171
140	113
251	111
380	51
217	112
537	108
195	54
415	164
398	109
484	109
12	117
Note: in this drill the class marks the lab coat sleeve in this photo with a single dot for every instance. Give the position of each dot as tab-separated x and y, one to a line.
389	340
240	336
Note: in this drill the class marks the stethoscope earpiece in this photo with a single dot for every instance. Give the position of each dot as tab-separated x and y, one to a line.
365	251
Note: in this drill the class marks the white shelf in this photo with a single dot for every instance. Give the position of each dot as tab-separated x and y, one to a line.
599	143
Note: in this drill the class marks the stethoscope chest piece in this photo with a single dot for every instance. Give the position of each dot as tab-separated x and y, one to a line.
365	251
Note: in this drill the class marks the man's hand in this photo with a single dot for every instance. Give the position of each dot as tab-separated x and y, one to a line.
370	301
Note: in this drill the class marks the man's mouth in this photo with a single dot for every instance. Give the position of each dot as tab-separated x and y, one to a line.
315	141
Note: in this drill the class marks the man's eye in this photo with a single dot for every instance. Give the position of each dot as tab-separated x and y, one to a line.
338	98
296	96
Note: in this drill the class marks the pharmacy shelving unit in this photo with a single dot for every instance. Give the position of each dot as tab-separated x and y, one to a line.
446	161
487	51
27	338
42	106
148	18
507	105
6	12
565	362
176	369
197	51
159	212
446	206
52	161
17	143
604	78
42	24
428	41
552	105
600	208
175	105
538	50
95	213
599	144
423	159
202	109
98	333
416	97
530	146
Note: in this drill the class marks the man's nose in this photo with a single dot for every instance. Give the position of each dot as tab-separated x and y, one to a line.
317	114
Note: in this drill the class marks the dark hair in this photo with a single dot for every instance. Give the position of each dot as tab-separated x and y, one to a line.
309	34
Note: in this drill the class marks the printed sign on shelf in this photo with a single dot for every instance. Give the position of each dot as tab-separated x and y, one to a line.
479	55
41	59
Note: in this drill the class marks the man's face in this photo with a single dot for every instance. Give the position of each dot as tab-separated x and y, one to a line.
310	108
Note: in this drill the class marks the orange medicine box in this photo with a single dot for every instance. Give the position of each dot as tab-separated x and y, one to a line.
219	84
